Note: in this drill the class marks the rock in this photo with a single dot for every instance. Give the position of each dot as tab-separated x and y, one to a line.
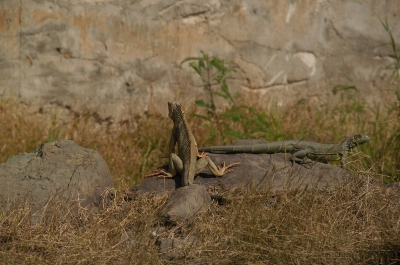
127	239
175	248
184	203
59	175
125	55
264	172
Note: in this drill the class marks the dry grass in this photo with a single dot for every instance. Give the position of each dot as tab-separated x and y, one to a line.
347	226
121	234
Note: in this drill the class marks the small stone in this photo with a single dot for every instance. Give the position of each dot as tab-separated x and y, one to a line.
175	248
184	203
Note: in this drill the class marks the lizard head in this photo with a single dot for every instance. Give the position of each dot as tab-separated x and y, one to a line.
357	139
174	108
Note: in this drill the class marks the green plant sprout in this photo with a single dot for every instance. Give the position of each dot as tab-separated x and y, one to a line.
214	72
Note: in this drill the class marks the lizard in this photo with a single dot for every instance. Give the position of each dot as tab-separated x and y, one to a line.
300	150
186	162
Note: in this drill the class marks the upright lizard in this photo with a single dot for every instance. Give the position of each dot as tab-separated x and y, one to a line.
186	162
300	150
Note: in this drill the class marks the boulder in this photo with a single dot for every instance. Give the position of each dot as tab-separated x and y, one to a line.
59	175
184	203
264	172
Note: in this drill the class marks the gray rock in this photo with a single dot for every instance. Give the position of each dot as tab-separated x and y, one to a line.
59	175
264	172
122	57
174	248
184	203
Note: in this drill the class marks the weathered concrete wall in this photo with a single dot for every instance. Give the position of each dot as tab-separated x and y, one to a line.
122	57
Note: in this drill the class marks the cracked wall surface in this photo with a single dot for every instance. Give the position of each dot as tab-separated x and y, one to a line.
122	58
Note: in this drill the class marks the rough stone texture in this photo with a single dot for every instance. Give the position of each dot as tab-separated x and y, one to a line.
122	57
175	248
59	174
184	203
264	172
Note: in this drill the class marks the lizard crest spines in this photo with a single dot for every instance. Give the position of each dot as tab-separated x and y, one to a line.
177	114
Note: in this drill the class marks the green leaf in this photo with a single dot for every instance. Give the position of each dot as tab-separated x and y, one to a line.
202	104
234	133
235	116
222	95
189	59
201	64
224	88
218	64
385	24
195	67
205	55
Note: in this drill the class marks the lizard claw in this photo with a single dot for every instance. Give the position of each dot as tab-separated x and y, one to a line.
160	173
233	164
223	169
307	163
203	154
227	171
154	173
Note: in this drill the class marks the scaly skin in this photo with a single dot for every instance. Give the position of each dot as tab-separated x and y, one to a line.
300	150
186	163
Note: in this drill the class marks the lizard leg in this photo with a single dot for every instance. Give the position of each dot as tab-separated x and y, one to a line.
217	171
301	157
343	160
175	166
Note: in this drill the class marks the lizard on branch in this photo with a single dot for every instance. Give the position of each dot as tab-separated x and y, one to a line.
186	162
300	150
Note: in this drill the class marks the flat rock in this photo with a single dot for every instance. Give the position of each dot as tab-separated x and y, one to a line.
264	172
184	203
59	173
